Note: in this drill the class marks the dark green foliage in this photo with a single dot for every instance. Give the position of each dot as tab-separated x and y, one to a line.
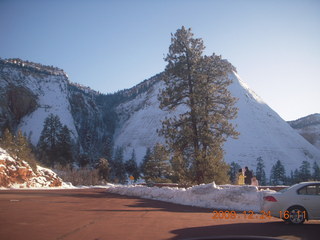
55	144
108	148
260	173
157	166
296	176
118	168
19	148
199	84
146	158
7	141
278	174
316	172
233	172
180	169
131	166
304	171
65	146
83	160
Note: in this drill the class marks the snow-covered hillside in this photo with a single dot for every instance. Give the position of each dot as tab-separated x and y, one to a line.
50	91
30	92
262	131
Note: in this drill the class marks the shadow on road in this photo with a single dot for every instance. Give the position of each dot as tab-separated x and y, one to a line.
270	229
148	205
166	206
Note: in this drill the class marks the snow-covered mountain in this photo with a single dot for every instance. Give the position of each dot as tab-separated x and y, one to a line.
263	133
309	128
30	92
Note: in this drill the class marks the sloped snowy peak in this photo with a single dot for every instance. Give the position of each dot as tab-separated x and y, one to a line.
29	93
18	174
309	128
263	133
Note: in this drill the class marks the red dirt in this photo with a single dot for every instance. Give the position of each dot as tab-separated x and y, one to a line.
94	214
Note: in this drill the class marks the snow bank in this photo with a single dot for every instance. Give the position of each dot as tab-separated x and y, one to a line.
229	197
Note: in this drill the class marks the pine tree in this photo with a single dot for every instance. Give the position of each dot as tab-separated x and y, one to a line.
55	144
233	172
107	148
316	171
131	166
64	146
118	168
199	84
19	147
296	176
146	158
260	173
304	171
7	141
278	174
180	169
158	166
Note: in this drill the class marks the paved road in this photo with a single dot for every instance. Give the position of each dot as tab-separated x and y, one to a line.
94	214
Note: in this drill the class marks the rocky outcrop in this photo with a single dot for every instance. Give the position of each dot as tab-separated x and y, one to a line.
21	101
18	174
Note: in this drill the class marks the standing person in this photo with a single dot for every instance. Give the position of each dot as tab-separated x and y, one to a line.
248	176
254	181
240	177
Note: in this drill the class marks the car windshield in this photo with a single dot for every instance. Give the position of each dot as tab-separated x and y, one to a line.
286	189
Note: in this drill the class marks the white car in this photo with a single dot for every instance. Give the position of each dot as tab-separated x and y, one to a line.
295	204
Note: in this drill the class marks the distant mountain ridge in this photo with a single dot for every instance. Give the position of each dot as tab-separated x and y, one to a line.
130	118
309	128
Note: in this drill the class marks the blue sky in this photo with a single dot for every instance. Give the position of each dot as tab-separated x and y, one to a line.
112	45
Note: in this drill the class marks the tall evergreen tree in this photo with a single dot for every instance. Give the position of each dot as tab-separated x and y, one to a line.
180	169
7	141
157	167
260	173
55	144
118	168
108	148
199	84
296	176
278	174
304	171
145	159
64	146
316	171
131	166
19	147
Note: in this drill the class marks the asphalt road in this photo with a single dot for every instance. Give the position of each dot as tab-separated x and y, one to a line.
94	214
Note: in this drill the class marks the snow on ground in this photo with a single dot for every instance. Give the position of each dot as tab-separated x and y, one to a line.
229	197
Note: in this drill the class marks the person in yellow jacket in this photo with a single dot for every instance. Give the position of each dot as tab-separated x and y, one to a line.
241	177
